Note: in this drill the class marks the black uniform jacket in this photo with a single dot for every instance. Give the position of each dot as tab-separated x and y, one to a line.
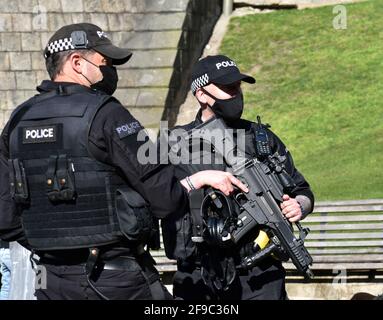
155	182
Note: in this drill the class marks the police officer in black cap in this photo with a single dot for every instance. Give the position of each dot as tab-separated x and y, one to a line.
72	188
216	84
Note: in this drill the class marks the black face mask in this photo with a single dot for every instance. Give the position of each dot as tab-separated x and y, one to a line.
108	84
229	110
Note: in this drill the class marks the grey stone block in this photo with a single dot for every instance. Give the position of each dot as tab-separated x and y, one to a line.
17	97
20	61
143	6
80	17
151	58
7	114
7	100
133	6
151	97
8	6
27	5
4	103
72	5
40	76
10	41
159	21
45	36
26	80
22	22
57	20
2	119
127	97
51	6
118	37
99	19
7	80
92	6
31	41
144	77
3	100
120	22
4	61
5	22
40	18
116	6
148	117
38	61
152	40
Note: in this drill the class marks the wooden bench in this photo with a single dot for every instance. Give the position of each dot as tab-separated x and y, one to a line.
345	236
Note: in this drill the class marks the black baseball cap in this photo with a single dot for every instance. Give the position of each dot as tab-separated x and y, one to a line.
86	36
217	69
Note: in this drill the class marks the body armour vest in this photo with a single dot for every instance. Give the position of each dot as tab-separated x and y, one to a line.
177	229
65	196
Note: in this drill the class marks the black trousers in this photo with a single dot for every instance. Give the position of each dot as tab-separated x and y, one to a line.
69	282
263	282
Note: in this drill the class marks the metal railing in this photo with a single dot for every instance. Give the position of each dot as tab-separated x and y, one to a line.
227	7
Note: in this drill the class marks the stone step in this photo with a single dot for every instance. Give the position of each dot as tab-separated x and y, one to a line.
132	78
148	117
151	59
150	39
147	6
147	97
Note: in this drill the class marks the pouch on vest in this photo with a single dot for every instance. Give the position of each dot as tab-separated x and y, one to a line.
177	232
18	182
60	179
134	215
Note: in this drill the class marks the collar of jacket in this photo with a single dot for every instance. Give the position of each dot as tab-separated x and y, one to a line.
239	124
48	85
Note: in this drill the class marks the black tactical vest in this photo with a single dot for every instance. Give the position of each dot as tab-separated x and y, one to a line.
177	228
66	196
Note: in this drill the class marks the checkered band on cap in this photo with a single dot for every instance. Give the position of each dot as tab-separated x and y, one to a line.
60	45
199	82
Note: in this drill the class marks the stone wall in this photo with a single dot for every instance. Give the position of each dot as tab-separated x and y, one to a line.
166	37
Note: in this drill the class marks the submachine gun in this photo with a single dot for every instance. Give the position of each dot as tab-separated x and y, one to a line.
267	181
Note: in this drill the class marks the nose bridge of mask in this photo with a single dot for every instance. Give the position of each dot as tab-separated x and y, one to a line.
215	98
108	84
229	109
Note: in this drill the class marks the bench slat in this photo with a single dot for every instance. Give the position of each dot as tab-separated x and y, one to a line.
349	266
349	258
345	235
364	202
355	243
162	260
341	218
349	226
346	208
326	251
169	268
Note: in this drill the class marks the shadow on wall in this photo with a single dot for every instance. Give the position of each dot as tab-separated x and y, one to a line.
201	17
366	296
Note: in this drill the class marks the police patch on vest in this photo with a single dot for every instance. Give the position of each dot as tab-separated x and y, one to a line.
40	134
128	129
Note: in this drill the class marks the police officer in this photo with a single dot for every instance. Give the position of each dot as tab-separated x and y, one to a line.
216	84
5	270
72	188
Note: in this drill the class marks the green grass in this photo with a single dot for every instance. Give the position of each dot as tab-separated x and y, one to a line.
321	89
